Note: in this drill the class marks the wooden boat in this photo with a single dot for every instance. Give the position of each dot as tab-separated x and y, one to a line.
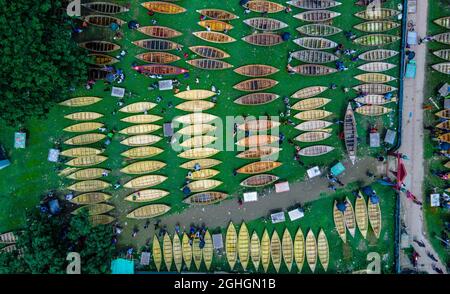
314	56
315	43
83	127
163	7
311	250
442	67
377	14
318	30
187	251
443	54
349	217
85	139
317	15
323	250
143	167
377	26
156	253
275	251
159	32
373	110
140	140
197	253
97	73
140	129
138	107
99	46
260	180
101	219
313	125
145	181
445	125
314	70
205	198
177	252
350	133
367	2
315	114
310	137
101	59
265	24
204	163
89	186
376	40
375	89
167	251
309	92
256	99
8	238
198	141
214	37
208	250
259	167
443	22
160	69
209	64
146	195
243	246
88	174
94	209
255	250
265	250
374	213
259	152
141	119
258	125
217	14
378	55
11	249
314	4
195	118
256	70
299	249
264	6
445	114
158	57
203	174
209	52
316	150
376	66
215	25
81	101
103	20
85	161
258	84
83	116
339	222
287	249
311	103
157	44
257	140
198	153
105	7
149	211
197	129
374	78
197	94
263	39
361	214
231	245
142	152
195	106
203	185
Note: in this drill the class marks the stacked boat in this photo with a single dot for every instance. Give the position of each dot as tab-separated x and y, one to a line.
444	39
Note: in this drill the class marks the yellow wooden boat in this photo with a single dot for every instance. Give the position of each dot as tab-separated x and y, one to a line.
197	253
231	245
149	211
156	253
159	32
257	125
203	174
443	22
143	167
361	215
315	136
314	125
209	52
85	161
163	7
204	163
377	14
88	174
177	252
256	70
257	140
215	25
243	244
374	78
146	195
138	107
89	186
299	249
197	129
349	217
83	127
255	250
447	164
187	251
142	152
86	115
67	171
259	167
313	114
373	110
311	250
198	141
208	251
140	140
374	212
445	114
205	198
145	181
275	251
167	251
91	198
311	103
196	94
339	222
80	101
259	152
214	37
195	105
316	150
287	248
141	119
140	129
217	14
198	153
265	250
195	118
101	219
80	151
264	6
94	209
85	139
323	250
309	92
203	185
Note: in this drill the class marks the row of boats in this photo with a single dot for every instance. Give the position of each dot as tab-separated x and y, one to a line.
9	239
443	38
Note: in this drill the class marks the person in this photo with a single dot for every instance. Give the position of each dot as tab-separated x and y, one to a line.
234	172
208	28
247	11
147	223
177	228
197	166
197	80
150	12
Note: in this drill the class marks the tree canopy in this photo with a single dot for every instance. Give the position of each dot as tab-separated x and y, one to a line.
39	61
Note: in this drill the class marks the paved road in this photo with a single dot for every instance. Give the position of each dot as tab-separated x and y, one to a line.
412	145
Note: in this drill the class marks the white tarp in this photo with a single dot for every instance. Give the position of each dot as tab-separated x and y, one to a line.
217	241
278	217
282	187
53	155
295	214
165	85
118	92
250	196
435	200
313	172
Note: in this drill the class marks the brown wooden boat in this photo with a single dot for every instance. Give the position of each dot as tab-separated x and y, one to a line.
105	7
157	44
263	39
374	89
215	25
102	59
158	57
314	56
205	198
97	73
217	14
160	69
259	167
103	20
209	64
259	180
257	140
256	99
265	24
163	7
258	152
264	6
350	133
209	52
315	43
378	55
317	15
314	70
159	32
254	85
214	37
99	46
256	70
258	125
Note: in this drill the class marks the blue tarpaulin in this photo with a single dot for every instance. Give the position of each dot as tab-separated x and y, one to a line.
411	70
337	169
368	191
122	266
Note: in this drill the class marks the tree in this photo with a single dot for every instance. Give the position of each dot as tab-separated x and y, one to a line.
39	61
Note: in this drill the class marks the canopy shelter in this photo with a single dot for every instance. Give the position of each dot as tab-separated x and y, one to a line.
122	266
118	92
165	85
444	91
20	140
53	155
250	196
278	217
296	214
282	187
313	172
337	169
217	241
435	200
374	140
412	38
145	258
